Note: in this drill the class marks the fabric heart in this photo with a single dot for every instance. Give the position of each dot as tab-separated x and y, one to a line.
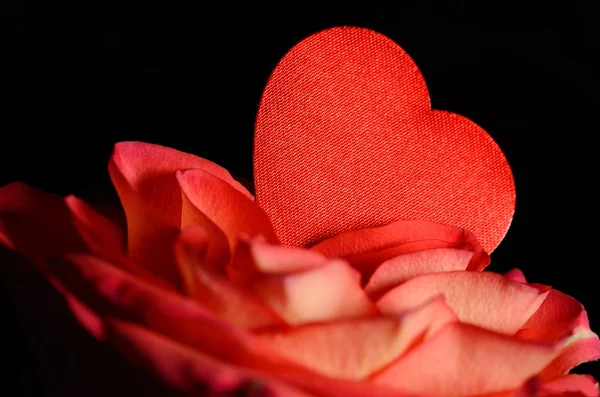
346	139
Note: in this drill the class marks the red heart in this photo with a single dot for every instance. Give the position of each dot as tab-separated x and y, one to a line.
346	138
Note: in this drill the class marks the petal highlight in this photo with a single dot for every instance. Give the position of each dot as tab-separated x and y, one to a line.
484	299
404	267
254	256
328	292
355	348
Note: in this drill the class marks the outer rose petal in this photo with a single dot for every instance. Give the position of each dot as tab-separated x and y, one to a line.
463	360
558	309
144	176
561	315
580	348
583	384
190	371
214	291
366	249
104	238
228	208
404	267
569	385
150	236
485	299
64	359
150	172
355	348
36	223
109	291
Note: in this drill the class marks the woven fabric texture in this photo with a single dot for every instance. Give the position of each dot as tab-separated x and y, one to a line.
345	138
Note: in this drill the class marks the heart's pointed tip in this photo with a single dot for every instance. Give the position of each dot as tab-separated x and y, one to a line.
345	138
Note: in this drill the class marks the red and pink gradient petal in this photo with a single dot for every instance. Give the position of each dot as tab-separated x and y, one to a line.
484	299
356	348
366	249
561	316
188	370
144	176
111	292
255	256
325	293
463	360
402	268
212	289
229	209
150	172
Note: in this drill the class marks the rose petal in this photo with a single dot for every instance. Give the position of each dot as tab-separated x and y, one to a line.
366	249
355	348
218	251
485	299
255	256
559	316
329	291
64	359
150	236
150	172
109	291
87	318
463	360
581	347
144	176
36	223
404	267
516	275
188	370
583	384
214	291
569	385
558	308
228	208
103	237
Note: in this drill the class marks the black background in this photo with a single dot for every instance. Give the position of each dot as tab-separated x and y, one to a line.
76	79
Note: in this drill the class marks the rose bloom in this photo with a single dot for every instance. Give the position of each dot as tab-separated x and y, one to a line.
198	292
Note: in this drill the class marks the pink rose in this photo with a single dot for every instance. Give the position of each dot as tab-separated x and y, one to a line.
198	292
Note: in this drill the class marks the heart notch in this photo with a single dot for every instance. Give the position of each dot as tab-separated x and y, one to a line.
345	138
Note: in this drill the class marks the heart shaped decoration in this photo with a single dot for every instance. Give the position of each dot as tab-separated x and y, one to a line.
345	138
